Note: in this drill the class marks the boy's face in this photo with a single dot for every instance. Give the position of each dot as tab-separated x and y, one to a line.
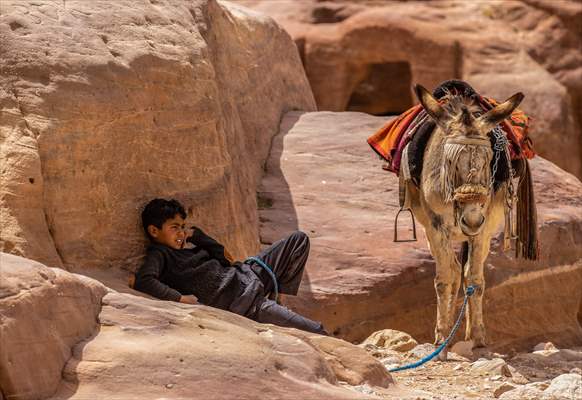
172	234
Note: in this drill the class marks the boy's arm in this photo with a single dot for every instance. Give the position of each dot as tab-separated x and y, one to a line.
147	279
215	249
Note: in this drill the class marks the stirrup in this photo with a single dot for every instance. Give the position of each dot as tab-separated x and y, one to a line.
414	239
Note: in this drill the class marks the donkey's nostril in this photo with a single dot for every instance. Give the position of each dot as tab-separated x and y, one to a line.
473	223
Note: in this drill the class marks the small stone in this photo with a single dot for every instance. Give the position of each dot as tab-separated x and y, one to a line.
458	367
496	378
576	371
422	350
170	385
463	348
391	339
544	346
496	366
504	387
519	379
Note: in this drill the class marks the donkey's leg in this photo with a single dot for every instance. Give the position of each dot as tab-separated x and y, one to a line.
446	282
478	251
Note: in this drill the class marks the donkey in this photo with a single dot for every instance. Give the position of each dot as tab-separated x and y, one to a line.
455	202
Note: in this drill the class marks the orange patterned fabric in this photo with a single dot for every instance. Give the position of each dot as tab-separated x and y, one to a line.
386	140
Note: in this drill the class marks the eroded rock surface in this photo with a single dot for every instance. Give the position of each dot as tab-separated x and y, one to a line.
365	56
44	312
323	178
65	336
106	105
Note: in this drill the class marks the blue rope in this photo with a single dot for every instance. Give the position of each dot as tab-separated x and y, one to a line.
468	293
269	270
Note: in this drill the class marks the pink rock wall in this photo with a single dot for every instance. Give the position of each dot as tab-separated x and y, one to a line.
105	105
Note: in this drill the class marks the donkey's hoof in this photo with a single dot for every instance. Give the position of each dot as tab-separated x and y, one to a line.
443	355
479	343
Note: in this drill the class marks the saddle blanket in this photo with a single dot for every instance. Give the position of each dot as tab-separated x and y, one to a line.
390	140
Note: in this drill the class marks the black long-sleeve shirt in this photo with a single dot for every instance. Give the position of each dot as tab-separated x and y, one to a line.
203	271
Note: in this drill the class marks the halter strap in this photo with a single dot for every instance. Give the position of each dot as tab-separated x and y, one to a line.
469	141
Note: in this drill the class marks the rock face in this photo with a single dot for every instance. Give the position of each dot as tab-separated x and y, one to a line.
324	179
105	106
44	312
64	336
365	56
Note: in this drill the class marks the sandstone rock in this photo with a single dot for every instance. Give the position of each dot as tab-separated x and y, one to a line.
106	105
544	346
53	346
391	339
192	348
519	379
44	312
422	350
463	348
496	366
504	387
563	387
566	386
358	281
503	47
557	355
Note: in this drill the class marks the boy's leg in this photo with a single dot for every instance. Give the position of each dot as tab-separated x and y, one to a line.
270	312
287	258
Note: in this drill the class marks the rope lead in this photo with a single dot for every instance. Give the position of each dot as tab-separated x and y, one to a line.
468	293
269	270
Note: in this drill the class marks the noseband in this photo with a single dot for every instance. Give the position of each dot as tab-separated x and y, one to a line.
467	192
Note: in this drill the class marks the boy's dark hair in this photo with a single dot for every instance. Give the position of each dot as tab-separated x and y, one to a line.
158	211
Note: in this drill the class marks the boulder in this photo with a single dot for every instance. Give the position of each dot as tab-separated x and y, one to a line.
562	387
323	178
106	105
499	47
65	336
44	313
151	349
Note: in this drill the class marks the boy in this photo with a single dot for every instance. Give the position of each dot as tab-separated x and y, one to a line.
204	274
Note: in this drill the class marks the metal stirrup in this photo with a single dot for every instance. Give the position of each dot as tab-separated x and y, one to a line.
414	239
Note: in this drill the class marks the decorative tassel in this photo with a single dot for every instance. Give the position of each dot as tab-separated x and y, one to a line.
527	245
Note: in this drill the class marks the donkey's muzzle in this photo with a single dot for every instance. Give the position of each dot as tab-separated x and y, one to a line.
472	224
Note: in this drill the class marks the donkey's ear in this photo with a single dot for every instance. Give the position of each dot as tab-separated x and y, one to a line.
430	104
491	118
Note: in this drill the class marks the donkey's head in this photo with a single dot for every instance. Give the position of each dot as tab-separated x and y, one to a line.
466	180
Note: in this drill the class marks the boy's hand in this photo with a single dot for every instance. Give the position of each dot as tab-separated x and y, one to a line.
190	299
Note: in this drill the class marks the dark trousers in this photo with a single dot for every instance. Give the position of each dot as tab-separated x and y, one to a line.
287	259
